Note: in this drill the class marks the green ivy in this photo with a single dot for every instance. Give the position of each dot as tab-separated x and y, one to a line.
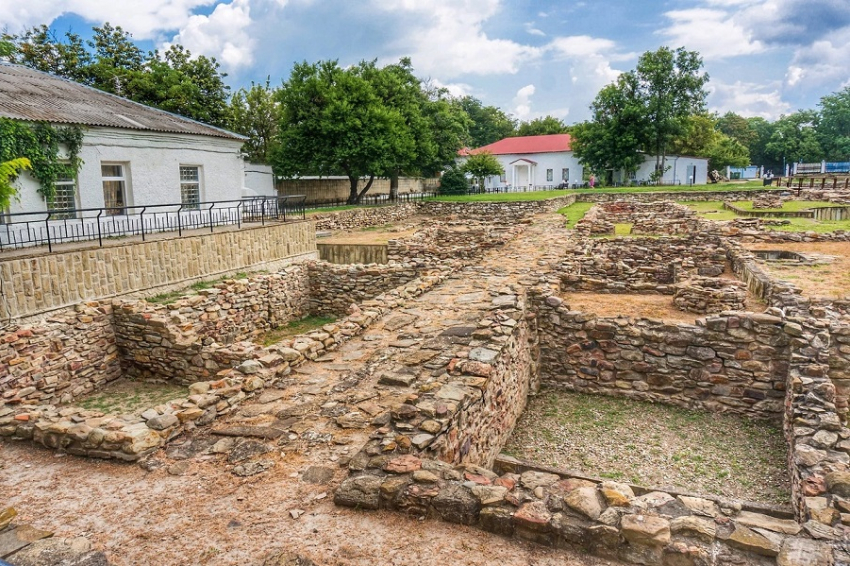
40	143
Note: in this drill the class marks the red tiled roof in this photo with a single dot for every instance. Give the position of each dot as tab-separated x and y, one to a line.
527	144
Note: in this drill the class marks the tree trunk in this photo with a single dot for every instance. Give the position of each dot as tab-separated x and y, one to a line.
365	188
353	197
394	186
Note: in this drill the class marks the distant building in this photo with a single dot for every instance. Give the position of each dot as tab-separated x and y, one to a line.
683	170
132	154
533	162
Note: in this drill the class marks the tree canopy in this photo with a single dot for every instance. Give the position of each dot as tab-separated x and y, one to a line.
174	80
255	112
363	121
489	124
833	126
541	127
482	165
645	110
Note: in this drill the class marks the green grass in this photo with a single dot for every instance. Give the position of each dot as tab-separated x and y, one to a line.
335	208
575	211
294	328
504	197
789	206
171	296
129	397
624	229
714	210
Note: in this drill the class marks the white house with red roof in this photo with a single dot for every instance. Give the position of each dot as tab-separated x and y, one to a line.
533	162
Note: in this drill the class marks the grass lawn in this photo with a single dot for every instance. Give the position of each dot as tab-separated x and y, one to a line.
713	210
575	212
334	208
789	206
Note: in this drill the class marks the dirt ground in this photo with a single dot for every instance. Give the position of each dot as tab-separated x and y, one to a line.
828	280
656	307
374	235
654	445
209	516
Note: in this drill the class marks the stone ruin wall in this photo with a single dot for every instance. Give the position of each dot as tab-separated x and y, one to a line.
731	363
646	218
651	265
680	196
363	217
706	295
68	355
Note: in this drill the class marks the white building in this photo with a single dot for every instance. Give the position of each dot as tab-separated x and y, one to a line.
682	170
533	162
132	155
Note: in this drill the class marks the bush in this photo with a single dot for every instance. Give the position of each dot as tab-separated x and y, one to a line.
454	182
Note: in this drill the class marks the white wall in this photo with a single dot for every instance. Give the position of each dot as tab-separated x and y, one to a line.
152	167
555	161
259	180
681	169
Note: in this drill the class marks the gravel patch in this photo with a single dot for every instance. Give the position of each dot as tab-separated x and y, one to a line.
654	445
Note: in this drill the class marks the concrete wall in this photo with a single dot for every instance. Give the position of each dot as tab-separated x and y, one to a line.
41	282
259	180
152	163
332	189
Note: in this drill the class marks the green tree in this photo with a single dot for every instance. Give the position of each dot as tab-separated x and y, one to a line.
453	182
701	136
762	132
482	165
173	81
9	170
363	122
39	48
794	139
334	122
726	151
489	124
614	138
738	128
255	113
670	84
176	82
542	126
833	128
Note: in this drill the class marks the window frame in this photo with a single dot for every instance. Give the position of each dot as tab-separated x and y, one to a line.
188	204
116	210
66	212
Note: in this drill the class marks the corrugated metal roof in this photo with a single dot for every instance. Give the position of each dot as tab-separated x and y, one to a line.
527	144
27	94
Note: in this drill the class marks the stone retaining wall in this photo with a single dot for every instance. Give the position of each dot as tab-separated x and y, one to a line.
451	242
707	295
679	196
505	212
40	282
650	265
58	359
730	363
363	217
652	218
334	288
345	254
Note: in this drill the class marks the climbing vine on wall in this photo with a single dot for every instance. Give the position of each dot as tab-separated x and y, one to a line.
42	143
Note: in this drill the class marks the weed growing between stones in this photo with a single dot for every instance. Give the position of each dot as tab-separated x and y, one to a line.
294	328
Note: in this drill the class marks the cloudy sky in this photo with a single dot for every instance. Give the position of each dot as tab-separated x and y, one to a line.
529	57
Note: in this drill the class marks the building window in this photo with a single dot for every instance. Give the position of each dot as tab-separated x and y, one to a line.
114	188
503	178
65	199
190	186
565	174
549	175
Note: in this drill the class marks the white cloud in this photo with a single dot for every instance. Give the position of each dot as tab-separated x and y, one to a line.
450	40
144	19
747	99
715	34
522	102
589	59
455	89
223	34
530	29
822	63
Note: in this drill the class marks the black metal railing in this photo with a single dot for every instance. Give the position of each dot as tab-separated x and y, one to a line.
374	200
52	227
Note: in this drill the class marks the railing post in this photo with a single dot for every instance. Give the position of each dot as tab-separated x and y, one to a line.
239	215
263	212
142	222
99	234
47	230
179	221
211	220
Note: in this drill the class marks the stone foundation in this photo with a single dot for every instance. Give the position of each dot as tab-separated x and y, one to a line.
706	295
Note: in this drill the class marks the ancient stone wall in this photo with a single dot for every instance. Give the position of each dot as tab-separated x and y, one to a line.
654	218
363	217
58	359
735	363
452	242
43	281
505	212
650	265
707	295
334	288
679	196
346	254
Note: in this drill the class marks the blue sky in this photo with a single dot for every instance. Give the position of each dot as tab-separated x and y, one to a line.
530	58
